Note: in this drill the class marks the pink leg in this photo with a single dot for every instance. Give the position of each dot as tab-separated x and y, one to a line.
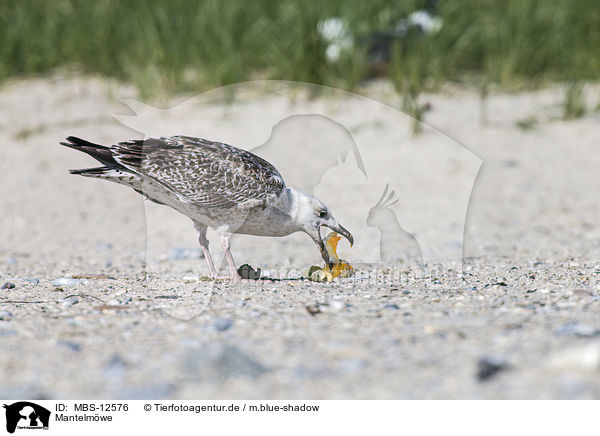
204	245
232	269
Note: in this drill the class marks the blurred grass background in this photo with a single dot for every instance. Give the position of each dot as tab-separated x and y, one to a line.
184	45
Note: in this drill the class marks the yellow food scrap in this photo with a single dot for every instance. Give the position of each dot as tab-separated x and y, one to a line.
343	270
340	268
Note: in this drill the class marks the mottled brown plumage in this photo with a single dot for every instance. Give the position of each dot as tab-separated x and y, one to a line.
199	171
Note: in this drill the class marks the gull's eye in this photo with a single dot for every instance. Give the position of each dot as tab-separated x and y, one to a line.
322	213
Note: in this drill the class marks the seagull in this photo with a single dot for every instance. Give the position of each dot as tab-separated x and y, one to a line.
214	184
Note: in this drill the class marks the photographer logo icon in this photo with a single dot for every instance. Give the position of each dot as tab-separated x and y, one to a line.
26	415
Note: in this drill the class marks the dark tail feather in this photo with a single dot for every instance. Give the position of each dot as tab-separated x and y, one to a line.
99	171
99	152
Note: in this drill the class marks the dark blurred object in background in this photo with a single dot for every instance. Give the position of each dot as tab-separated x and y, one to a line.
378	45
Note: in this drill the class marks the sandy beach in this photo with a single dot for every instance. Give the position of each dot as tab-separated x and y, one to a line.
110	297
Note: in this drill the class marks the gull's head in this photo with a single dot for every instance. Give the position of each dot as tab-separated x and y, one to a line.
311	215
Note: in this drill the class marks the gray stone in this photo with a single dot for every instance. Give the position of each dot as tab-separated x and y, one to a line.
104	246
182	253
116	368
7	332
221	324
116	361
157	391
66	281
69	301
578	358
74	346
577	329
124	300
352	365
31	391
489	367
219	362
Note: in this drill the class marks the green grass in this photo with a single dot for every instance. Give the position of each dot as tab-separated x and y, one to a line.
574	104
183	45
527	123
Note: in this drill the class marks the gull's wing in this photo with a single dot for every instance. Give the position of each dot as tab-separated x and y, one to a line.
202	172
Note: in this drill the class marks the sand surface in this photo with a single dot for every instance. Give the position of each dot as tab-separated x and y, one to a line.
506	306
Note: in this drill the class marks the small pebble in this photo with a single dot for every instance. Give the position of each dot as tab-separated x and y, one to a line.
582	293
581	358
117	361
116	367
33	281
313	309
74	322
69	344
104	246
124	300
66	281
8	285
7	332
488	368
336	306
69	301
145	392
391	306
352	365
5	315
182	253
217	362
332	306
269	273
221	324
577	329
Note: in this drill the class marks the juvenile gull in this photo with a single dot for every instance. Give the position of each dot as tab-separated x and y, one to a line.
215	185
